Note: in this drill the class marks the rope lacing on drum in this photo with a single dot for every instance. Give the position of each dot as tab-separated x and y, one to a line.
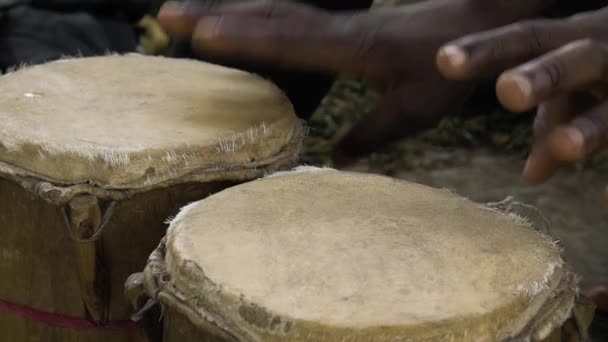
107	215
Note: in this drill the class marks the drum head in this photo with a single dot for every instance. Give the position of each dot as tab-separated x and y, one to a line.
134	121
326	254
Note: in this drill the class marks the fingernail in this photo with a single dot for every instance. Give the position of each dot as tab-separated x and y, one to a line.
174	7
521	83
526	171
515	92
208	27
455	55
575	136
575	143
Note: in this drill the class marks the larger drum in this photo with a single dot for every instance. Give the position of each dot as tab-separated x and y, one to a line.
95	154
322	255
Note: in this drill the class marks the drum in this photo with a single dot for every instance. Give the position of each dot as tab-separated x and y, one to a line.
95	154
324	255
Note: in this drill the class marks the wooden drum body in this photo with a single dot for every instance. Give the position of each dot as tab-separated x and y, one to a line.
95	155
323	255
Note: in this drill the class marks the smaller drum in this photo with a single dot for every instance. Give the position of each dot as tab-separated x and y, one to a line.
323	255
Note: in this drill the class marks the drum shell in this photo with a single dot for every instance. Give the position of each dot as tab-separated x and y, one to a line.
37	256
16	328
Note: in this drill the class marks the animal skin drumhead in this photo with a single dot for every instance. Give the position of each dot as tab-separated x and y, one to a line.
135	121
321	254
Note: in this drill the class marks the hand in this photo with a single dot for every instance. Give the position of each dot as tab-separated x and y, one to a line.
394	49
558	66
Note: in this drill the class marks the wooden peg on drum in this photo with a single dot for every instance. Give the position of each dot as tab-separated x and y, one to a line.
85	226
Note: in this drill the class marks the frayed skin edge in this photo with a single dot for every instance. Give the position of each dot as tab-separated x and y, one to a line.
534	288
505	208
300	169
239	140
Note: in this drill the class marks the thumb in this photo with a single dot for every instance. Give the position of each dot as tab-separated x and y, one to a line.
403	112
277	33
373	130
180	18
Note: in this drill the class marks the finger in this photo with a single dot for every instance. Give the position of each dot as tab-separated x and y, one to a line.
373	131
492	51
541	164
178	18
570	68
586	134
181	18
279	42
337	44
279	33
